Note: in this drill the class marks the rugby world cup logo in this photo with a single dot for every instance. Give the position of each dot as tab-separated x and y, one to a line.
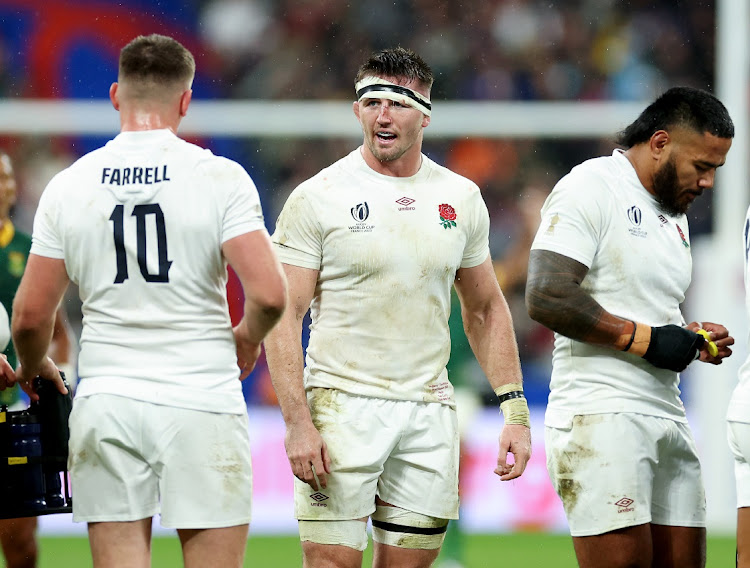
635	215
360	212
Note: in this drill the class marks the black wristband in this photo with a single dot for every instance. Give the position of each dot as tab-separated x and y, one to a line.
510	395
632	337
673	347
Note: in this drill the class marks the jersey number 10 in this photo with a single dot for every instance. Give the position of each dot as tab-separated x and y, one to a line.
140	212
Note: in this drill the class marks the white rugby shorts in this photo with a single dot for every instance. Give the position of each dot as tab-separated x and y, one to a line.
131	459
403	451
624	469
738	435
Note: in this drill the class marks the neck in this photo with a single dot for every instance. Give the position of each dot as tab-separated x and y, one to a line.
640	160
146	121
404	166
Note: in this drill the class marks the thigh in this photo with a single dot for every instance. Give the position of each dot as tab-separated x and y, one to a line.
223	547
602	468
421	474
679	498
360	436
121	544
203	461
678	547
629	547
111	480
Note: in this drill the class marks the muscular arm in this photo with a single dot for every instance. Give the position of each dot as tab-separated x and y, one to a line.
35	306
488	324
555	299
489	328
252	257
304	445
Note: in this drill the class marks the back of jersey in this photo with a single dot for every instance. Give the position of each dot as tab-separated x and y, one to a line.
140	224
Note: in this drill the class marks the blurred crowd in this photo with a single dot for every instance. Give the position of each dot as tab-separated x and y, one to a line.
489	50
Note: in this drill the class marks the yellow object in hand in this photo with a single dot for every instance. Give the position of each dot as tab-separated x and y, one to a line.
712	349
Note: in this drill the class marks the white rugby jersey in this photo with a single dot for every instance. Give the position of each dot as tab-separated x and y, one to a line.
739	403
639	268
387	249
140	224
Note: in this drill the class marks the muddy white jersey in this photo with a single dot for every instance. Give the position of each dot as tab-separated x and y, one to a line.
639	268
140	223
387	250
739	404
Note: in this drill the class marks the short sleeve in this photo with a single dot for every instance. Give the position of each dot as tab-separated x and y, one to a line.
478	239
298	237
572	217
243	212
47	239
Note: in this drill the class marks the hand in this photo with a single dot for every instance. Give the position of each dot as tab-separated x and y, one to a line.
308	455
514	439
48	371
719	335
7	374
247	351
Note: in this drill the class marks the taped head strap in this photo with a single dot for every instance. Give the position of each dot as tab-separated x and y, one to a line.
376	87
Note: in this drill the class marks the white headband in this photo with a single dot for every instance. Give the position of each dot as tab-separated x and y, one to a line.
377	88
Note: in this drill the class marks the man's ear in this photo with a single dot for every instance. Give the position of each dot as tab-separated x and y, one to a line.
658	142
185	99
113	96
355	107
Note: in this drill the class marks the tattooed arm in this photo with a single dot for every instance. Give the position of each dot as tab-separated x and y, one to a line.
555	299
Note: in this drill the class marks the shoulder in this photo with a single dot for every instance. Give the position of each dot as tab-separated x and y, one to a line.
440	174
327	181
592	180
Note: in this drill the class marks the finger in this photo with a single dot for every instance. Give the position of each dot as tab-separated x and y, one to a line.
316	479
709	345
60	384
326	458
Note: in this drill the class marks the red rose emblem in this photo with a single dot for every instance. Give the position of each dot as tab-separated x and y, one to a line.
447	212
447	215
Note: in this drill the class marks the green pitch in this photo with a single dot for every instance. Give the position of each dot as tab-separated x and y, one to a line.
521	549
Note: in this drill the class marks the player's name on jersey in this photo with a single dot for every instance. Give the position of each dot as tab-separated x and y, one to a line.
135	175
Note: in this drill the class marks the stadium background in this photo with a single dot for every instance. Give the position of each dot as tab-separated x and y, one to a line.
526	88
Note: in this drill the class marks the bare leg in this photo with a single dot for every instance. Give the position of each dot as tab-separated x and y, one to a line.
18	539
743	537
121	545
678	547
219	548
630	547
316	555
386	556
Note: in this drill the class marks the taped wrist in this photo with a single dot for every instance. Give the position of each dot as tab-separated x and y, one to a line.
673	347
513	405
